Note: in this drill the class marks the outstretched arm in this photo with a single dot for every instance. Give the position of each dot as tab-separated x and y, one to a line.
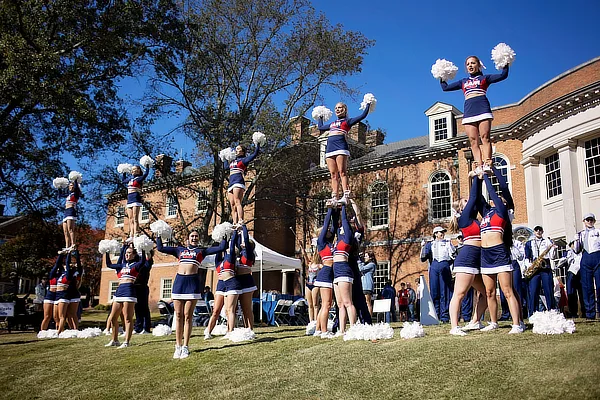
248	159
57	264
323	234
173	251
216	249
494	78
321	126
471	208
510	204
347	236
448	87
354	120
498	204
122	255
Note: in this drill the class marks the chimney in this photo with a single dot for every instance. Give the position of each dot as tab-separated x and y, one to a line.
299	127
375	138
359	133
163	165
180	165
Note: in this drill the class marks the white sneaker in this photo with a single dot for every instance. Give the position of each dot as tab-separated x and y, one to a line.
317	333
177	353
327	335
124	345
516	329
343	201
185	352
456	331
112	343
331	202
338	334
144	332
207	335
492	326
472	326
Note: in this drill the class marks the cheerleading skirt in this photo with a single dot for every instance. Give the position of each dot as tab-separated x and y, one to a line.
337	145
468	260
325	277
342	272
495	259
186	287
477	109
125	292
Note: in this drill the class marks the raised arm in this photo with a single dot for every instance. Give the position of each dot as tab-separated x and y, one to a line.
122	254
232	244
357	213
124	179
494	78
323	234
510	204
498	204
54	271
78	261
321	126
347	236
248	159
448	87
470	211
216	249
173	251
354	120
77	190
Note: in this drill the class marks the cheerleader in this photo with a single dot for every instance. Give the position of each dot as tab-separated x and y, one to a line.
128	267
50	297
477	117
237	186
311	292
186	288
496	240
337	150
219	294
70	218
358	298
343	277
134	197
244	275
467	265
231	287
73	292
324	279
62	300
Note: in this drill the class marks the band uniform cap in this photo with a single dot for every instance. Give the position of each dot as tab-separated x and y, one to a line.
589	215
438	229
538	228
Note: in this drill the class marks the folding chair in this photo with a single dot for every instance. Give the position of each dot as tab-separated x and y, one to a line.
382	306
282	312
165	311
201	313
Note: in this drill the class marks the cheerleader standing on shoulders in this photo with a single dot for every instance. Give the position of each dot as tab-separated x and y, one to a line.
311	292
134	197
324	279
219	294
496	240
467	265
244	276
187	289
237	186
343	277
73	292
124	300
477	117
51	294
70	218
337	150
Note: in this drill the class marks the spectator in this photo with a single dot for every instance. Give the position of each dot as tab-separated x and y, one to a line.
40	293
388	292
417	314
403	297
412	301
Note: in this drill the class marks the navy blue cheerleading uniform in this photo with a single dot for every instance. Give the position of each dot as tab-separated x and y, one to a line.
468	259
74	279
325	275
477	105
187	287
143	320
237	170
228	284
218	265
336	141
495	259
342	272
247	259
134	188
50	296
126	271
71	202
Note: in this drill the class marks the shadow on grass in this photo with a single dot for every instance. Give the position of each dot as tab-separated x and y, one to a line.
245	343
19	342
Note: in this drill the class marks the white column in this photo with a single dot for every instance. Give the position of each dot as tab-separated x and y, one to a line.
567	156
533	190
283	282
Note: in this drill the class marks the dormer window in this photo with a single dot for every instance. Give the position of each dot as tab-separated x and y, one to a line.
442	123
440	128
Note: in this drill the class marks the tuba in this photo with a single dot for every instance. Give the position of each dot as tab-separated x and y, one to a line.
537	264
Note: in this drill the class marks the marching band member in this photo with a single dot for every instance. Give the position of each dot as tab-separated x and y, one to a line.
343	277
588	242
237	186
574	290
477	118
128	267
533	249
324	280
439	253
247	258
134	197
187	288
337	151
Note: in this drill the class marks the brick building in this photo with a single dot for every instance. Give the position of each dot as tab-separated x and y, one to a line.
546	144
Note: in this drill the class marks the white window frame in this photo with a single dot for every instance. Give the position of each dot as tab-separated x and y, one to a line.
381	275
112	289
202	198
431	187
171	205
320	211
594	160
120	213
145	209
163	287
372	190
552	176
443	120
322	151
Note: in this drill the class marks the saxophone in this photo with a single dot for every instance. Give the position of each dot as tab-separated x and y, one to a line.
537	264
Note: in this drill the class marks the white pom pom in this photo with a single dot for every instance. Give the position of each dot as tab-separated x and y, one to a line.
221	231
147	162
89	333
162	330
49	334
551	322
240	335
75	176
444	70
321	112
124	168
311	327
60	183
68	334
379	331
219	330
259	139
369	99
412	330
162	229
503	55
227	154
143	243
109	246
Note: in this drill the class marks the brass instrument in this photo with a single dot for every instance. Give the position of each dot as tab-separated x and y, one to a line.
537	264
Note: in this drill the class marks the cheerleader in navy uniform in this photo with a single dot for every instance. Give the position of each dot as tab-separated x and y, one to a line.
50	297
237	186
70	218
467	265
128	268
311	292
343	276
134	197
477	117
187	289
337	151
143	322
496	241
324	279
219	300
247	258
62	300
231	287
73	292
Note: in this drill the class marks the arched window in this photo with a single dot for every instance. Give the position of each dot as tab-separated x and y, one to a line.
379	204
441	197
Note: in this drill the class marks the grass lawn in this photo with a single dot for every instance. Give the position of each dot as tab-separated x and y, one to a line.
284	364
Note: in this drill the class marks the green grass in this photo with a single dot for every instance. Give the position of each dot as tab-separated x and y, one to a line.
284	364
